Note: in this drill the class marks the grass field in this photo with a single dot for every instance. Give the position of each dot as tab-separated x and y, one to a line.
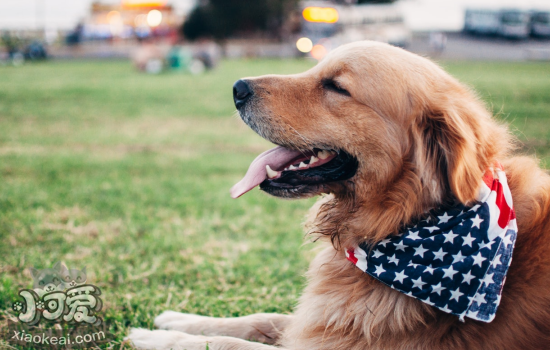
128	175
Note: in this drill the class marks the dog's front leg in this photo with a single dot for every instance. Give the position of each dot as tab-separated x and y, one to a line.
175	340
263	328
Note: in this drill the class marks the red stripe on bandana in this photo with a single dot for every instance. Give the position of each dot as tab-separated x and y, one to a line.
506	212
488	178
351	256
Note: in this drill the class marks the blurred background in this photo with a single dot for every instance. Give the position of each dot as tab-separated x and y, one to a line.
119	140
147	30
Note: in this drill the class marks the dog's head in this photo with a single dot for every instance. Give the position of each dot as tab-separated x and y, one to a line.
372	124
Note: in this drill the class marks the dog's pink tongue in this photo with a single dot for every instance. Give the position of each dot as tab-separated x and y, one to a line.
256	174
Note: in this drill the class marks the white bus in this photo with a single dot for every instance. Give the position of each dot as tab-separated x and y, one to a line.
507	23
482	21
515	24
324	27
540	24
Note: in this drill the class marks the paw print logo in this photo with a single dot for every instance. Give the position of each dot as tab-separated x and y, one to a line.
40	305
17	306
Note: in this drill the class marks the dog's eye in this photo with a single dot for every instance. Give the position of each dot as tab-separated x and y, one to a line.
334	86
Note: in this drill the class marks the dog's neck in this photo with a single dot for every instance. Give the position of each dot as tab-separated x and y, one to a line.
348	220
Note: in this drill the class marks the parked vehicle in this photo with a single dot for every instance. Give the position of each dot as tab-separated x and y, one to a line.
507	23
540	24
482	21
515	24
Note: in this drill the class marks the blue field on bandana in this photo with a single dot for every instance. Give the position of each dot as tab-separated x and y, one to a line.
446	261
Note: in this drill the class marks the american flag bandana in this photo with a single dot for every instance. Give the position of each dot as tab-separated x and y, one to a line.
455	260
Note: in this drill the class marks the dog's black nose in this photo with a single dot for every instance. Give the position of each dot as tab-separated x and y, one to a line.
241	93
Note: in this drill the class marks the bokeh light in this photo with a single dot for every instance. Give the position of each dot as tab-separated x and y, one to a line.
318	52
154	18
140	20
320	14
115	23
113	16
144	3
304	45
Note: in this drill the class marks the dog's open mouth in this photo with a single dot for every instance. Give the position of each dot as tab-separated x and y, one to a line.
285	172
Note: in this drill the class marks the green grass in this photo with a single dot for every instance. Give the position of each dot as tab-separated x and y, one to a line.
128	174
519	94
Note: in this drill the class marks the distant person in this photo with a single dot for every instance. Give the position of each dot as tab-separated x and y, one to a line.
36	51
149	56
75	37
11	43
438	42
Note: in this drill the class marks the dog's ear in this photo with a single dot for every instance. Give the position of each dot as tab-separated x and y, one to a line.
454	150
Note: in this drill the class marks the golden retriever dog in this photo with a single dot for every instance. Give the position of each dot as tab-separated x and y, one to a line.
385	136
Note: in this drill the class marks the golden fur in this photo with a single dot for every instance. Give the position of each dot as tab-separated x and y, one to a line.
421	139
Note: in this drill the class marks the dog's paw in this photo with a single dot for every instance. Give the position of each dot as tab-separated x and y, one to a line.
165	340
177	320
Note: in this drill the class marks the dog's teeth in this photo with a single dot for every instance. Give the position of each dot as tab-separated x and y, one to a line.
313	160
292	167
270	172
302	165
323	154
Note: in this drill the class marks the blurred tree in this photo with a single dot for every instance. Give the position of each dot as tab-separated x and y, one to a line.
198	24
220	19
